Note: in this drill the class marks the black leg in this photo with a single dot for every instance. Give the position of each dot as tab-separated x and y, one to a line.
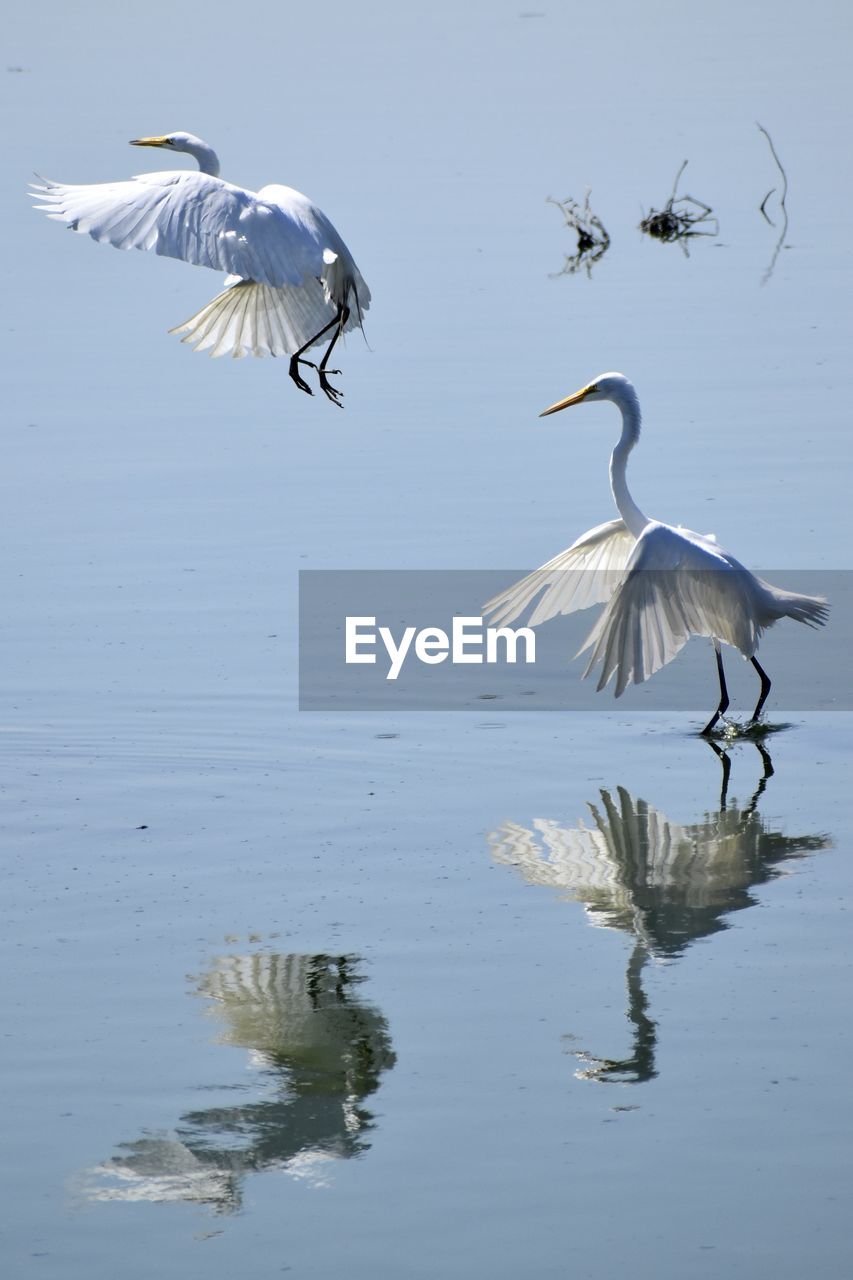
295	375
765	688
296	359
762	783
723	757
767	763
724	693
332	392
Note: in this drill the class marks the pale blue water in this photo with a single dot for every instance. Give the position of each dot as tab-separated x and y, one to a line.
190	1089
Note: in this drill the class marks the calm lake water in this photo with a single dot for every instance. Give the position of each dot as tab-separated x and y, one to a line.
441	994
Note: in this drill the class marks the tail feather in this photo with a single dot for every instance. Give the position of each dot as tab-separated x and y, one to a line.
256	319
812	610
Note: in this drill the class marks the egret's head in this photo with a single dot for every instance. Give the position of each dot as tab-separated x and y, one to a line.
607	386
188	142
174	141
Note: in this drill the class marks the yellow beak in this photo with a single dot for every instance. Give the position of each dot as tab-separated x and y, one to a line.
149	142
569	400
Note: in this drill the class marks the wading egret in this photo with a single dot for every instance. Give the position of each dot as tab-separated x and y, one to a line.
661	585
291	281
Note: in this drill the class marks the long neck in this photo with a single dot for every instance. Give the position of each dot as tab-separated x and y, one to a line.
208	160
634	518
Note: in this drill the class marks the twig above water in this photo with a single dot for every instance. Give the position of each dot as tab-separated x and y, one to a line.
781	169
677	180
763	210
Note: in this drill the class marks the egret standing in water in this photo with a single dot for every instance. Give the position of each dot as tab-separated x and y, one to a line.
291	282
661	585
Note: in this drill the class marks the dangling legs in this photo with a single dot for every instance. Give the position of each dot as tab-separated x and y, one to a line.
765	689
296	359
724	693
332	392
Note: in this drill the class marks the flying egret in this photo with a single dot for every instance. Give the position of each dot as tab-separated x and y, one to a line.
660	584
291	281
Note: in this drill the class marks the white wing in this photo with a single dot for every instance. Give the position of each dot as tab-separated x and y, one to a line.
586	574
340	276
280	239
678	585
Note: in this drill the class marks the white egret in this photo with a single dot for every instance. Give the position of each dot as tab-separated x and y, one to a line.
291	281
660	584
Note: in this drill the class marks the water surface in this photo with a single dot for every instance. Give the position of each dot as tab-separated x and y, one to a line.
434	995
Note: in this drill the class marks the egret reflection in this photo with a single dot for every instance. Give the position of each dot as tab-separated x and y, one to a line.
318	1051
664	884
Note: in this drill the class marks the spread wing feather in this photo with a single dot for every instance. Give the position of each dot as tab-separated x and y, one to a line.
677	585
277	237
585	574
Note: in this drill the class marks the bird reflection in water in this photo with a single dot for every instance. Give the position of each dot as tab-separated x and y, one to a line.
664	884
320	1052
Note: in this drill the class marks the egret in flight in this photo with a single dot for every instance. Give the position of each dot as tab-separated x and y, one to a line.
291	279
660	584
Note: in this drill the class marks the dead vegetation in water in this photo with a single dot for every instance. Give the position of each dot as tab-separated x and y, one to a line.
680	218
762	208
593	240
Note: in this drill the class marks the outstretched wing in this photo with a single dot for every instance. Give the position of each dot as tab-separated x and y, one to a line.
677	585
586	574
201	220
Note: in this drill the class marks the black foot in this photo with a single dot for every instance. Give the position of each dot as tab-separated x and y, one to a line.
332	392
718	714
297	378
